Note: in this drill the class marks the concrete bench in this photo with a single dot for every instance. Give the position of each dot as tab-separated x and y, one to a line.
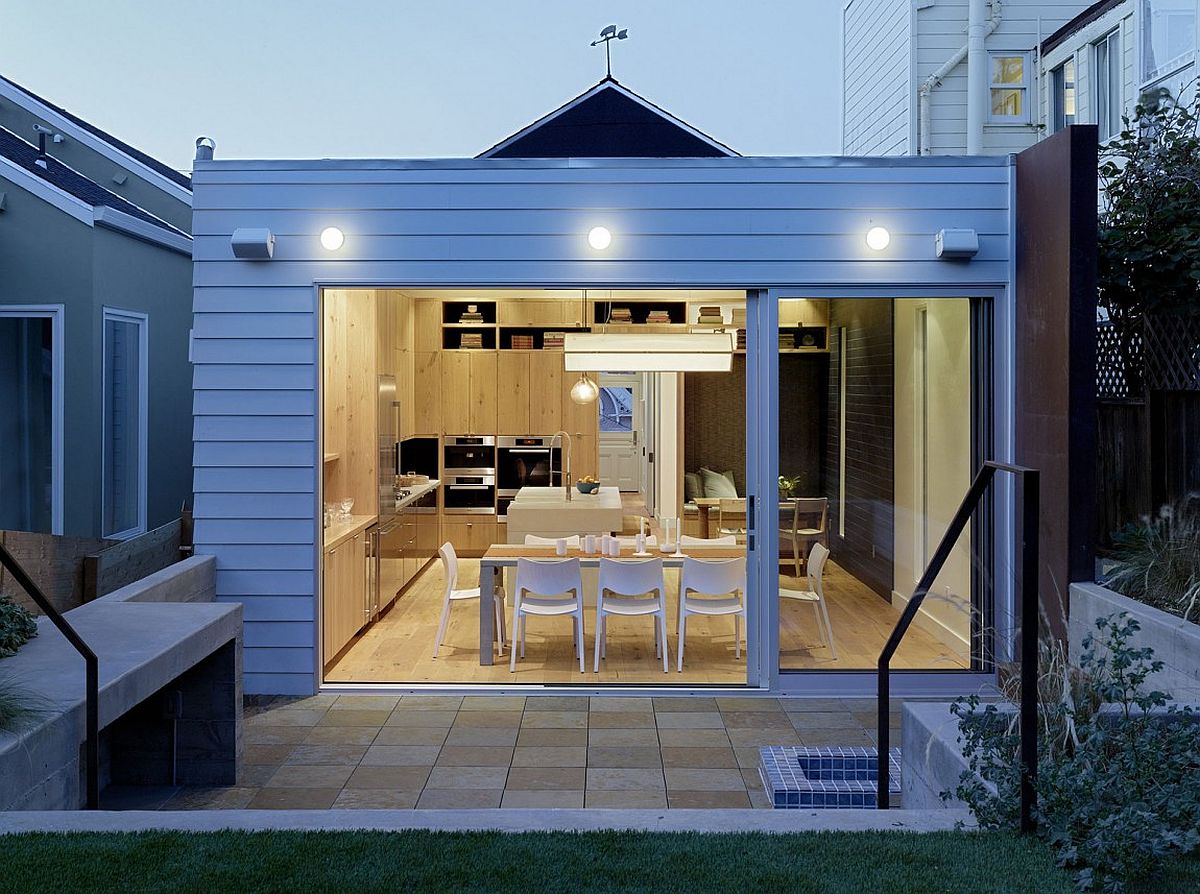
170	692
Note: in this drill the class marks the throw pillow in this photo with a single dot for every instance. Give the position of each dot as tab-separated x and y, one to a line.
717	485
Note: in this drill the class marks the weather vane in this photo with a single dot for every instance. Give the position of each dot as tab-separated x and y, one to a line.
608	35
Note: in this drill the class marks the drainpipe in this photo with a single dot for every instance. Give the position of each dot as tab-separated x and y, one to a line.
975	96
976	74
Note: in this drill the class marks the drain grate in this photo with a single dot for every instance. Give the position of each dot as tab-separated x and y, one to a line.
837	776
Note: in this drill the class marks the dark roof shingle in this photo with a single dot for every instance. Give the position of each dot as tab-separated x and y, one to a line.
70	181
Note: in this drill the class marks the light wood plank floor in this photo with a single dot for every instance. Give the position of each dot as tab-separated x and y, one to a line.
399	647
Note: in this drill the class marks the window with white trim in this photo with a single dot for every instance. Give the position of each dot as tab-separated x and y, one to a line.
1008	92
1062	96
1106	84
124	384
1168	36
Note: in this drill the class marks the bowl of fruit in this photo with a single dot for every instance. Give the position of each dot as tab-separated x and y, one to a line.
587	485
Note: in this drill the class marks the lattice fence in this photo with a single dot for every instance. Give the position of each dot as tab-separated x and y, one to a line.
1112	383
1171	355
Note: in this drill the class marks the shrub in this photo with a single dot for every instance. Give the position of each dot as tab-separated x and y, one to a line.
18	706
1157	561
1118	777
17	627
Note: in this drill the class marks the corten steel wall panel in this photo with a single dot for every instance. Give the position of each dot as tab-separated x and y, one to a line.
732	222
1056	351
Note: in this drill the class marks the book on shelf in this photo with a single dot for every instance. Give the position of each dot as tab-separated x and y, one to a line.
522	342
741	340
471	318
620	315
658	316
553	341
787	340
471	340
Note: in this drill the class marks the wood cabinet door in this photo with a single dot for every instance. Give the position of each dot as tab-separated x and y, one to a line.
427	318
579	420
329	619
427	393
514	395
585	456
456	392
470	538
483	392
545	392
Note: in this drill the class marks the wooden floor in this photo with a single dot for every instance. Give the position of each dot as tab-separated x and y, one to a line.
399	647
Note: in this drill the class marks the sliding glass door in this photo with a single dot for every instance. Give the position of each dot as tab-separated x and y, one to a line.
31	422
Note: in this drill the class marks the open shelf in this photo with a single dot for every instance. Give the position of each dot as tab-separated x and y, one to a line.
452	338
639	312
536	333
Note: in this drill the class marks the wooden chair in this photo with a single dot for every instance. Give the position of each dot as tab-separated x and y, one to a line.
809	524
731	518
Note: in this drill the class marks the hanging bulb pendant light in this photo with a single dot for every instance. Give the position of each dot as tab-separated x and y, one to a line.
585	391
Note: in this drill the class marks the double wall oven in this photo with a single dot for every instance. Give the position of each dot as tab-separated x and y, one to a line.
523	461
469	464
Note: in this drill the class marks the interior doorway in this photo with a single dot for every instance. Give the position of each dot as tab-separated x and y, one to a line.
622	430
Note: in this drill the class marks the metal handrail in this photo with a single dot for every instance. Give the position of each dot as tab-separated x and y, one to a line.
92	742
1030	509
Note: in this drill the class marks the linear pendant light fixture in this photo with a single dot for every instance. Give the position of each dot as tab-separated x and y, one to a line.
654	352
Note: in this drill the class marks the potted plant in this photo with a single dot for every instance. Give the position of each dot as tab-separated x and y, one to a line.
787	484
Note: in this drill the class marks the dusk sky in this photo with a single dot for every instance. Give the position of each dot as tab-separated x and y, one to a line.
369	78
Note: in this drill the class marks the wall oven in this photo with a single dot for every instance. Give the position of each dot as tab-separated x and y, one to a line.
523	461
469	466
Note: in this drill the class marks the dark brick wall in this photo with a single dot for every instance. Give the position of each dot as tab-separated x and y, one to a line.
866	550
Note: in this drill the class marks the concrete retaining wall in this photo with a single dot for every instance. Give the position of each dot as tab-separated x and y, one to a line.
1175	641
160	635
931	758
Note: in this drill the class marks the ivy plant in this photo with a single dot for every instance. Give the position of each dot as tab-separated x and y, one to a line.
1118	775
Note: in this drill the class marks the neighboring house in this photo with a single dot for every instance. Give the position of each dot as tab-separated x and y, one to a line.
907	74
95	279
1097	67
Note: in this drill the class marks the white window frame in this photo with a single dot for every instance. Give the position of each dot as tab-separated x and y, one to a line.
1149	78
56	313
1101	82
1054	100
1026	86
142	321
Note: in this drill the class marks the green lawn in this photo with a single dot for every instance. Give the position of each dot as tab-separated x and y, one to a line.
358	862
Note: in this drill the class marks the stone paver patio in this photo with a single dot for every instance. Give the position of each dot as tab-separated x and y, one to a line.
380	751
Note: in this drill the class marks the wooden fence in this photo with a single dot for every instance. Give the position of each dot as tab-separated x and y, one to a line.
75	570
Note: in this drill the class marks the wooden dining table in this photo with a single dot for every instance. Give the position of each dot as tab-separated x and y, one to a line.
705	506
501	556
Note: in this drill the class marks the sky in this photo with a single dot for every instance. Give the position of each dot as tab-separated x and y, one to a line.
434	78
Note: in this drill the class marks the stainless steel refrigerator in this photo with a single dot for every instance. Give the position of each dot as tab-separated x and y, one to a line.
386	538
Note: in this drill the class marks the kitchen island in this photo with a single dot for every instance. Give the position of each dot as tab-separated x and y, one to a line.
546	512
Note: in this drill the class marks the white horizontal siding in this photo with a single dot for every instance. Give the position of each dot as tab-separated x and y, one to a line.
739	223
941	32
876	69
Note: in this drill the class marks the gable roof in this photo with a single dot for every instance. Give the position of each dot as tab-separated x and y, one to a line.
137	155
609	121
25	156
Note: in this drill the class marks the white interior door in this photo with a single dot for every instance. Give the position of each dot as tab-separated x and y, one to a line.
621	427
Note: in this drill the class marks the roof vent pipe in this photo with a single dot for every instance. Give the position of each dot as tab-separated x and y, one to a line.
204	148
924	92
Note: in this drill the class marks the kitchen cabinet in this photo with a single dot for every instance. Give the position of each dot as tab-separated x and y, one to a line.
427	393
545	392
456	392
484	391
582	423
516	395
344	602
471	537
427	319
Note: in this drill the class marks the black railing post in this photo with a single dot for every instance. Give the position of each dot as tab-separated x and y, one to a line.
1029	632
92	693
1030	615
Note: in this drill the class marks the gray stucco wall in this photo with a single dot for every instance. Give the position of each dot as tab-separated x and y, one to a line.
49	258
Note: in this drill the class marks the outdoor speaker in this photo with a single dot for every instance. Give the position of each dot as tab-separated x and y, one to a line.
957	243
253	243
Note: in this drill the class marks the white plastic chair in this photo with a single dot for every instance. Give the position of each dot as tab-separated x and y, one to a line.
631	588
535	540
700	542
721	584
540	588
815	594
453	594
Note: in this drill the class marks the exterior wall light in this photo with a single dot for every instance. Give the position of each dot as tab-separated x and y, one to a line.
585	391
878	238
599	238
332	238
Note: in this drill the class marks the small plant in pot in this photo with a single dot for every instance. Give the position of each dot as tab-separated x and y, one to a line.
788	485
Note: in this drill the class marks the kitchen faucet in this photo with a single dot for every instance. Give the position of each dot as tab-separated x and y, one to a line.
566	471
